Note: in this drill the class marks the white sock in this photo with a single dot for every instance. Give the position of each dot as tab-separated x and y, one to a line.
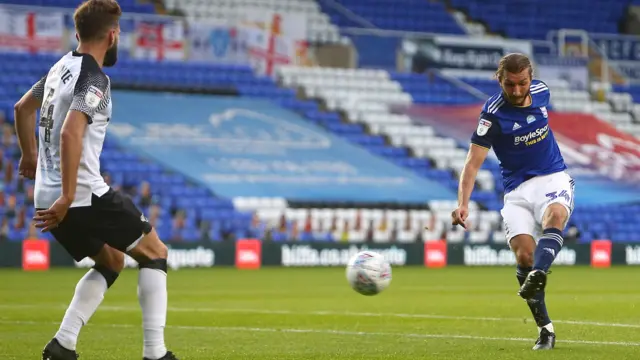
88	296
549	327
152	293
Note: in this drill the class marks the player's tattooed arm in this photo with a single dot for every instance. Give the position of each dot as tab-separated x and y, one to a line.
25	124
71	137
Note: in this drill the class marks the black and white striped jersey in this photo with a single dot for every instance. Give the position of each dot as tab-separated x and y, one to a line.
75	82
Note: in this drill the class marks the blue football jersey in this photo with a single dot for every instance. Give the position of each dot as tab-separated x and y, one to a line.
520	137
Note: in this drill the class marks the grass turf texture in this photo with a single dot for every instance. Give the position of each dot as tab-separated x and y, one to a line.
288	313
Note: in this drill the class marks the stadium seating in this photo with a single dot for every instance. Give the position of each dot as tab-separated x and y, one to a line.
367	97
599	16
619	108
128	6
319	25
626	99
353	93
350	92
380	225
173	192
357	104
408	15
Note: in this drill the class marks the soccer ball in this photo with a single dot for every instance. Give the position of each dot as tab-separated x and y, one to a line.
368	273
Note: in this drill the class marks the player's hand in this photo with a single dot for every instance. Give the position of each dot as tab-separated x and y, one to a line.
52	217
459	216
27	166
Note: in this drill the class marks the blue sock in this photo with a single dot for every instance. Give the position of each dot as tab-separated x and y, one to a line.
548	248
536	304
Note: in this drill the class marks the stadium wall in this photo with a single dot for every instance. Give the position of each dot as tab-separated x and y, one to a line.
253	254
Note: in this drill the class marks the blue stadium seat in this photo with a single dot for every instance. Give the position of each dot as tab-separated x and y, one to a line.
598	16
421	15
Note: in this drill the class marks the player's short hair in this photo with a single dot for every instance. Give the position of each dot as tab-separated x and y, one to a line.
94	18
514	63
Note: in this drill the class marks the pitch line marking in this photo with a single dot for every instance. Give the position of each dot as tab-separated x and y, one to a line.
338	332
330	313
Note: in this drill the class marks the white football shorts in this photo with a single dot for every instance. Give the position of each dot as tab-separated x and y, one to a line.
524	206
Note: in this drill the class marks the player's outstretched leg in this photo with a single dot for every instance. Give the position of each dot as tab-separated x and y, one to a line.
523	246
553	221
86	299
151	254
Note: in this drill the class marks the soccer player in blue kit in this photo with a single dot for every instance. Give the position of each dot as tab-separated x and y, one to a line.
539	194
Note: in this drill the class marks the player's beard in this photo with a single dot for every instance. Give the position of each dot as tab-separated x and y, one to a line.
111	57
519	100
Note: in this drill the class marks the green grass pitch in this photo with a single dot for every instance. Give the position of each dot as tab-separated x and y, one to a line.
288	313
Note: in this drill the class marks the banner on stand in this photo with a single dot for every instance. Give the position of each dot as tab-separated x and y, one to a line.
159	40
458	53
210	41
262	39
33	31
273	39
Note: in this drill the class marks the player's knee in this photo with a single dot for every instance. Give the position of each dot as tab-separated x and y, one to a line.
523	246
149	249
524	258
109	275
110	258
555	216
109	262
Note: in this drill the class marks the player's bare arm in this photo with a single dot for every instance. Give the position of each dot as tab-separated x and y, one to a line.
71	150
25	123
71	137
475	158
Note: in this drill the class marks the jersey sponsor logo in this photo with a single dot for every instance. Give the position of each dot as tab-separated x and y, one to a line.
93	97
483	127
530	119
533	137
